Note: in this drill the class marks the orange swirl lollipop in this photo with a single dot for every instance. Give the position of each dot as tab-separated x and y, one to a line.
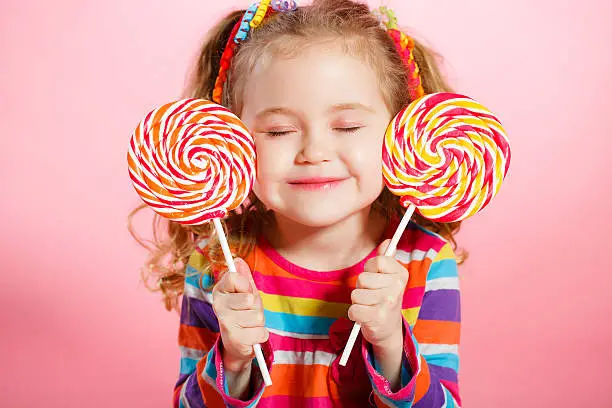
193	161
446	156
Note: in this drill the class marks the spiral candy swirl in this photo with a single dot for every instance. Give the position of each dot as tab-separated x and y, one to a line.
191	161
447	155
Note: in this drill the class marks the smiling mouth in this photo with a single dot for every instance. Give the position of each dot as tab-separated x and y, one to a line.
316	184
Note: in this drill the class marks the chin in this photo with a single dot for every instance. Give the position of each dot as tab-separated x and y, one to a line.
316	221
318	212
318	217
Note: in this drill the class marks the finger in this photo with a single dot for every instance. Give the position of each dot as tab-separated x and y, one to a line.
249	318
371	297
373	280
382	248
233	282
384	264
243	269
253	335
362	314
240	301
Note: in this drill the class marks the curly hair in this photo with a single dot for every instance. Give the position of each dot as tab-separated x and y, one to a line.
361	34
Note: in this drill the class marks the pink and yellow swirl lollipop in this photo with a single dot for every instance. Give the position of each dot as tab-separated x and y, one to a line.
193	161
446	156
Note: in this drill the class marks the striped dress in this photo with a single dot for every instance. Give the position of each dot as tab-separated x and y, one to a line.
306	315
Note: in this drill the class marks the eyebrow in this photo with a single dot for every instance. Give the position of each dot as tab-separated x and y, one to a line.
279	110
333	109
351	106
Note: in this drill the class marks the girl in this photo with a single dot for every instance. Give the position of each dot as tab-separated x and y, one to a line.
317	86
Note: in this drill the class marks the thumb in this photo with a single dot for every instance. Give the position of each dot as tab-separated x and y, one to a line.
243	269
382	248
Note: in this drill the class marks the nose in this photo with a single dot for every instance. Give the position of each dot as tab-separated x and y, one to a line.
316	149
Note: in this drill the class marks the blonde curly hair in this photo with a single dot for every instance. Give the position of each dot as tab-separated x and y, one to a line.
361	33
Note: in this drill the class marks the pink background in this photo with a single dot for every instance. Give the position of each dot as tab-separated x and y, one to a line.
77	328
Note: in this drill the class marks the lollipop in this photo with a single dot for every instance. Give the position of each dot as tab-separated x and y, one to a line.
193	161
446	156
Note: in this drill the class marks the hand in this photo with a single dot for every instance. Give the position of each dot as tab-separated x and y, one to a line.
240	312
377	300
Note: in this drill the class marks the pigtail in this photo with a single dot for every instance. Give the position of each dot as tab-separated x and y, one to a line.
204	77
173	243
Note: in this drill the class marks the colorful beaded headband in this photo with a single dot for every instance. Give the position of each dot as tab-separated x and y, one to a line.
255	14
252	18
405	47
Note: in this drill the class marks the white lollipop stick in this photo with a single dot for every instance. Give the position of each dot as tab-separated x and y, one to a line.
390	251
232	268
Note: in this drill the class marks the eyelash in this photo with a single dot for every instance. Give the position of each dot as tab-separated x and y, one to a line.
276	134
349	129
343	130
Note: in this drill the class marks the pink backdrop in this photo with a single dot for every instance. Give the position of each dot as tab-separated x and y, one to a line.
76	77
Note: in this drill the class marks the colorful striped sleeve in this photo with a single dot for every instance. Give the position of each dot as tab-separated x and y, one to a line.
201	380
429	376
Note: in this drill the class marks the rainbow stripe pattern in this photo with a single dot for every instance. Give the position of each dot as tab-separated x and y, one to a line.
306	314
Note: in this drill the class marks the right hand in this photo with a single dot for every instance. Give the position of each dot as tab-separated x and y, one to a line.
240	312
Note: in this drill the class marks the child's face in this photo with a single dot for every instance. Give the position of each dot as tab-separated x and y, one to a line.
318	120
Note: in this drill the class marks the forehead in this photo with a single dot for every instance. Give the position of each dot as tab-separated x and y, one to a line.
322	75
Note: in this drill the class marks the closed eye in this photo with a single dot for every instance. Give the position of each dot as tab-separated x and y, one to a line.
275	134
342	130
348	129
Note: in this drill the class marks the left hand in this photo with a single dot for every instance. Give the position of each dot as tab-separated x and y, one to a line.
377	300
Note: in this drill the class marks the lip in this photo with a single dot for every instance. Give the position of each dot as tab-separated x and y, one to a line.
316	183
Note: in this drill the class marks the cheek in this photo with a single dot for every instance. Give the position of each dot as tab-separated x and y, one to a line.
266	174
273	161
365	159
